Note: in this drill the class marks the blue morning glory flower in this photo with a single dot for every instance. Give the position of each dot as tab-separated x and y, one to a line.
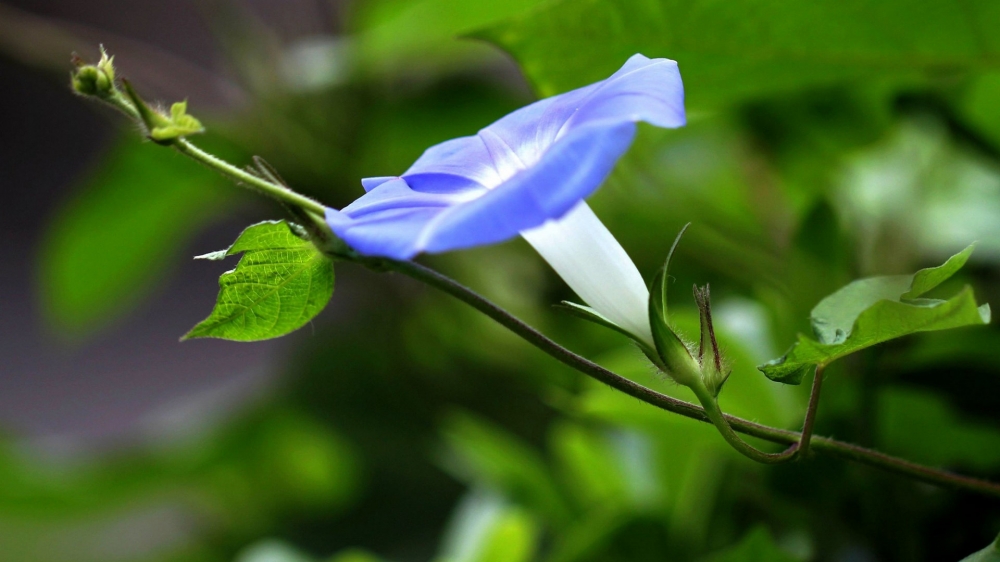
528	174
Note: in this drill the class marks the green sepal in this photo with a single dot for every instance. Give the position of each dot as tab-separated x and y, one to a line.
164	129
150	118
281	282
666	269
875	310
672	356
180	124
591	315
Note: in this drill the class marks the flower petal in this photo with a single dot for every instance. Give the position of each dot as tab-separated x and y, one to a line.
648	90
464	157
572	169
391	233
531	166
589	259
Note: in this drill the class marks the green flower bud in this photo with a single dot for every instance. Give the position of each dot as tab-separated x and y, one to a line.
95	79
714	372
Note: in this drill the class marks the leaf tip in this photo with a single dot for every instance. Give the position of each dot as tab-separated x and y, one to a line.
213	256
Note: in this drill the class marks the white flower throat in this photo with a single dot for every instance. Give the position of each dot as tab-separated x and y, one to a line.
588	258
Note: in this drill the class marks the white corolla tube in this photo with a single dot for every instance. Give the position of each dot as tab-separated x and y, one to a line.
588	258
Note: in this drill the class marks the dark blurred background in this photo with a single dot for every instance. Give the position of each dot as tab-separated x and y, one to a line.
401	426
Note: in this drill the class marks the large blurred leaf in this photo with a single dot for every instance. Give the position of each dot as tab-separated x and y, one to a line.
989	554
110	245
756	546
874	310
403	34
732	50
923	427
588	465
486	528
272	551
281	282
485	453
512	538
239	480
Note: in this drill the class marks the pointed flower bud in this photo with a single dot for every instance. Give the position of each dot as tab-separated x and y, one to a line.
713	370
702	367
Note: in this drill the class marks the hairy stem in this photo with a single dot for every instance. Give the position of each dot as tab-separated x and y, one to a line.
718	419
273	190
715	415
802	439
797	440
810	421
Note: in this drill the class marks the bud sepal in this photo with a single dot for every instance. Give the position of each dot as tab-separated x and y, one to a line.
161	128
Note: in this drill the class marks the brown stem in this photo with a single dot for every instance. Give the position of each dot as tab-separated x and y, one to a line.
662	401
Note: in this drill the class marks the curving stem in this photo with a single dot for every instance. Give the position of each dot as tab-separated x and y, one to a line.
830	446
799	442
795	450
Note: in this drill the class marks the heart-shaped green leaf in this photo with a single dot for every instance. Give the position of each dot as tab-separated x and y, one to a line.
878	309
281	283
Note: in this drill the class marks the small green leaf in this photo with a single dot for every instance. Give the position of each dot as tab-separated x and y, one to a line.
281	283
875	310
756	546
989	554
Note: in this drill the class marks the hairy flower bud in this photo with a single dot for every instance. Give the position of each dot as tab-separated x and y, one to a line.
95	79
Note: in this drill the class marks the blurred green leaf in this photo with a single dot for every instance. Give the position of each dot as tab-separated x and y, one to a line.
272	551
874	310
485	527
733	50
513	538
110	246
281	282
978	105
354	555
587	463
238	480
756	546
923	427
403	34
485	453
989	554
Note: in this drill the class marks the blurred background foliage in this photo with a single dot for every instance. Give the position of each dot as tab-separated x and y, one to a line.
828	140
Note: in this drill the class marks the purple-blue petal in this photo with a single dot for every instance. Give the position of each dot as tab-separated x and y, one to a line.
532	165
572	169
